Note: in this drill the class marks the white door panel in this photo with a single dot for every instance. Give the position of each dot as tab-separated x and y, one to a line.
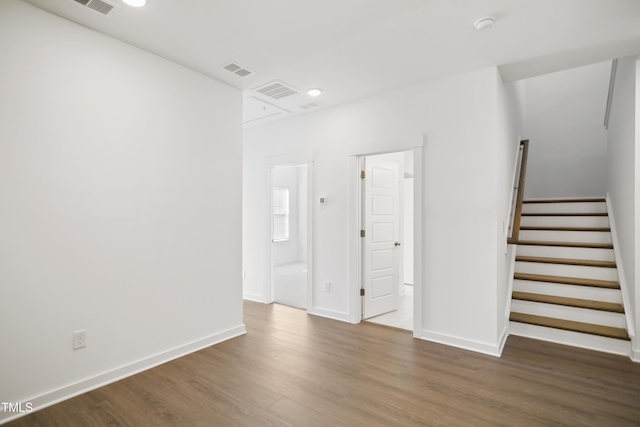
382	232
382	259
381	195
383	286
382	205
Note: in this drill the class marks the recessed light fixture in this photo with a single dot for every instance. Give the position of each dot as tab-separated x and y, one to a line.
314	92
135	3
484	24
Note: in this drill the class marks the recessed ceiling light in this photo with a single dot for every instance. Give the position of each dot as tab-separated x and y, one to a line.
314	92
135	3
484	24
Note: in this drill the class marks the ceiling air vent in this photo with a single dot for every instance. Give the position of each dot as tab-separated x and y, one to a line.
277	90
237	69
310	105
99	6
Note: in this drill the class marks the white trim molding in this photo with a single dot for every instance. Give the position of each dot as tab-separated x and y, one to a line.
503	338
304	158
329	314
56	396
626	300
465	344
415	143
252	297
511	253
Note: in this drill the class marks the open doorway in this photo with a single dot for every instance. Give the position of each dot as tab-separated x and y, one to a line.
387	208
289	224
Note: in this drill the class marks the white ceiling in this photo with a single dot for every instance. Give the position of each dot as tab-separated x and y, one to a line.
358	48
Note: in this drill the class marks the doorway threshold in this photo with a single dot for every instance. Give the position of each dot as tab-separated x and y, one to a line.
402	318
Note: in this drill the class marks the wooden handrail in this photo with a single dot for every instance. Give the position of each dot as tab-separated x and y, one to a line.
515	233
612	81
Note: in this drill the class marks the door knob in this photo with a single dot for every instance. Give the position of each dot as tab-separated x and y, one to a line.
397	243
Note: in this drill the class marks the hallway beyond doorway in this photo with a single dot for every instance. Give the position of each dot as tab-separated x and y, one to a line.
291	288
402	318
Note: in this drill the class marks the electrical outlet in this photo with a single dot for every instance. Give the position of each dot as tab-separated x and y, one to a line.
79	339
327	286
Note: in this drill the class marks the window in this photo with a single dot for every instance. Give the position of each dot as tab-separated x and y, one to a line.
280	214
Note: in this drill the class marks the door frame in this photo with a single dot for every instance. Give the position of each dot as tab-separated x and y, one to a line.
355	153
292	160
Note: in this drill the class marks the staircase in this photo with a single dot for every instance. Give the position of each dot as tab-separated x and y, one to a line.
565	287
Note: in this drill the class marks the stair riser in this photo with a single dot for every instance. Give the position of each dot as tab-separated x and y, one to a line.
564	221
562	252
566	236
598	273
575	339
568	291
584	315
582	207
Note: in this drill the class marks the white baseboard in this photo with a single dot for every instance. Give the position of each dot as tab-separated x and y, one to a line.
503	338
635	352
56	396
478	347
252	297
335	315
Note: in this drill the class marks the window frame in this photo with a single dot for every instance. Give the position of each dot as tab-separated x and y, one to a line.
285	215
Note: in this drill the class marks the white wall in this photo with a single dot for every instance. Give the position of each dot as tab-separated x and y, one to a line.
636	283
113	167
510	127
462	206
564	123
623	164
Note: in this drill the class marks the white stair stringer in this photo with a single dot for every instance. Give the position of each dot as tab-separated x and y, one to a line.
575	339
563	260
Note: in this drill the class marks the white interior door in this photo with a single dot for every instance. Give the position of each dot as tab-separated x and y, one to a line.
381	243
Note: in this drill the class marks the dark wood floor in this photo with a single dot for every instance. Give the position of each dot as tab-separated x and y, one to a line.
291	369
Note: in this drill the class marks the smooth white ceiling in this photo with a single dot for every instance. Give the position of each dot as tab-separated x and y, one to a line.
358	48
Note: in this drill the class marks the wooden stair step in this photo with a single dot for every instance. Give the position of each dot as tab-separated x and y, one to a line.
566	244
565	214
586	200
551	228
567	280
566	261
571	302
570	325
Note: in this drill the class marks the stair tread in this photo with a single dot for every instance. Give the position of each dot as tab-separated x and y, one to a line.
565	214
568	280
571	302
567	261
570	325
585	200
566	244
554	228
